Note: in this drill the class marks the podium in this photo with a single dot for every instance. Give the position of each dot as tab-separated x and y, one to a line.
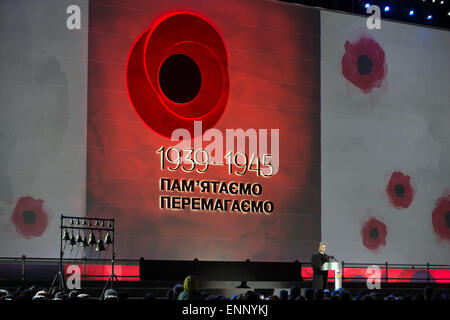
336	267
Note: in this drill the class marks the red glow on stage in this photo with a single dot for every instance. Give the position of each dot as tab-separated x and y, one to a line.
102	272
394	275
131	273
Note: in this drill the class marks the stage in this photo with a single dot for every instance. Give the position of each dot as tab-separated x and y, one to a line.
139	277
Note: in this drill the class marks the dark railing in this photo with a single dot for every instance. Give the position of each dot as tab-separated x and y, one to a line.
385	266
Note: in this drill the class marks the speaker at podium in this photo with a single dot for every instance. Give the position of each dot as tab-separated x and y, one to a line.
335	266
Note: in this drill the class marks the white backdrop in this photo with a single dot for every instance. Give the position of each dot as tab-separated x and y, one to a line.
401	126
43	81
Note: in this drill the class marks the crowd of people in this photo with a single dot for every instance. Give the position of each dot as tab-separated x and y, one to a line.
189	291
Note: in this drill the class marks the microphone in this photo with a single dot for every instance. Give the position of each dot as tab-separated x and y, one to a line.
327	257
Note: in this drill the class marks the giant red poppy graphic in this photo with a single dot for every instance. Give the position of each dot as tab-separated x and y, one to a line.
363	64
399	190
441	217
177	72
29	217
373	233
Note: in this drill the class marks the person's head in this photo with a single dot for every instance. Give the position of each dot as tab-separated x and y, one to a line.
284	295
428	292
149	297
309	294
177	289
250	296
73	295
300	297
3	294
294	292
111	294
190	283
123	296
204	294
418	297
83	296
318	294
54	291
41	295
367	297
60	296
24	295
345	295
322	247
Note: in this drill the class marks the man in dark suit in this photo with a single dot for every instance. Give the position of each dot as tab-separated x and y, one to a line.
320	278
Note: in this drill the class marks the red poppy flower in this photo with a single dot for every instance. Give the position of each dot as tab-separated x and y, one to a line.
373	234
177	73
441	217
399	190
363	64
29	217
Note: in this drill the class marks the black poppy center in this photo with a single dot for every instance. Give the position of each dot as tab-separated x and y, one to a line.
399	190
180	78
373	233
29	217
447	219
364	65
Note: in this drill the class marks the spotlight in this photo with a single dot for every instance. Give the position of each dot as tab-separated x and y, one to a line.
442	2
429	17
367	5
387	8
411	13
